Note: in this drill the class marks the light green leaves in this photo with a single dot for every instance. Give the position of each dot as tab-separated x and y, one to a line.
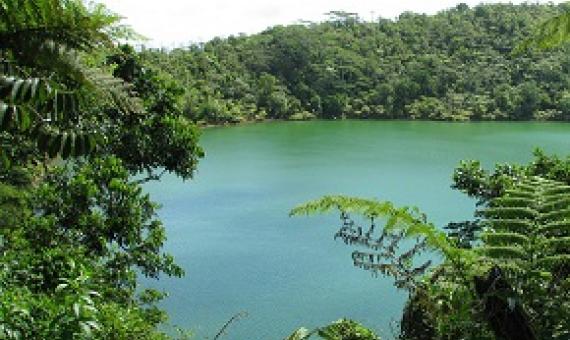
365	207
529	224
299	334
550	33
408	220
343	329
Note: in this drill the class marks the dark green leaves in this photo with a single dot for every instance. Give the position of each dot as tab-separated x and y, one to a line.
66	144
343	329
18	91
46	113
18	97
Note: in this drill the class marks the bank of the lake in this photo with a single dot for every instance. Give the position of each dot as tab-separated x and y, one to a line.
230	231
205	125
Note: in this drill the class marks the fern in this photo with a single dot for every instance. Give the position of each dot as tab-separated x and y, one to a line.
383	254
529	224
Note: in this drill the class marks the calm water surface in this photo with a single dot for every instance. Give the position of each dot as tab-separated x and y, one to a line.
230	231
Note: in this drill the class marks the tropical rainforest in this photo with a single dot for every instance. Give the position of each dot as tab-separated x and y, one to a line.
85	121
461	64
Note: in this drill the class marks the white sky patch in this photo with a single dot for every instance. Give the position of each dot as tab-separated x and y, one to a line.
173	23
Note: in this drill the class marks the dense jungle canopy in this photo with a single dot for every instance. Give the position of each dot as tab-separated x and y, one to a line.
459	64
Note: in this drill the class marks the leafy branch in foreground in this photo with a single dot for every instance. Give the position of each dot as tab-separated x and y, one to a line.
49	115
527	236
383	254
512	283
342	329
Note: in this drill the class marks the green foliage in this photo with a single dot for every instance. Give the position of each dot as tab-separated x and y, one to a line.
33	106
455	65
524	231
75	229
346	330
382	252
161	136
343	329
410	221
299	334
470	177
47	34
526	236
106	214
73	264
67	22
551	33
532	250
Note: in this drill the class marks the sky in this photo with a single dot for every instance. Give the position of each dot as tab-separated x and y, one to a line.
175	23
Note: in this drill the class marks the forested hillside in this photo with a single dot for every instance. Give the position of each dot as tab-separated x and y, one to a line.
456	65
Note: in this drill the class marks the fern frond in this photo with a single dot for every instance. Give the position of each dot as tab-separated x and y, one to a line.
558	245
511	201
532	227
510	213
555	262
556	228
504	253
555	215
48	114
401	223
69	22
503	239
510	225
556	202
51	36
365	207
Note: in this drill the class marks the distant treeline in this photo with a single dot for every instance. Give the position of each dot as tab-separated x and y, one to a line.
456	65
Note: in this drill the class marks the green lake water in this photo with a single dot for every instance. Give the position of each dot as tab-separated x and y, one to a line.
229	227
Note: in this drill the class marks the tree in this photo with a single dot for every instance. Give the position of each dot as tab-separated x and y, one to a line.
75	228
379	69
159	135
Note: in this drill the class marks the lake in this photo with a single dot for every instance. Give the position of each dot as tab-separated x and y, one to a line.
229	227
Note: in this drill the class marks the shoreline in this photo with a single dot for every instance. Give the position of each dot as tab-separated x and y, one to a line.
204	125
